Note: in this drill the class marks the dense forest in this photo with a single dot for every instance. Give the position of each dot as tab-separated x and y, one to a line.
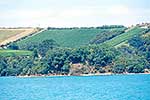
49	57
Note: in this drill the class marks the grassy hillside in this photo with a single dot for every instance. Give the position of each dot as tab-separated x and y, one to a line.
15	52
124	37
67	37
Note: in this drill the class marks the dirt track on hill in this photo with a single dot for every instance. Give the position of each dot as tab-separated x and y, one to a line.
25	32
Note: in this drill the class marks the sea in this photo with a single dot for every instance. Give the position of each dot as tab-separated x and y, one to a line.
112	87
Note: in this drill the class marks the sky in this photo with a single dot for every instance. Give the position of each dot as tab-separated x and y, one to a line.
73	13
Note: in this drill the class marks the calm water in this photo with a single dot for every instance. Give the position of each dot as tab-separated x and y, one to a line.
119	87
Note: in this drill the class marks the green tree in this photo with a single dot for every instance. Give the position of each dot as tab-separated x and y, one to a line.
13	46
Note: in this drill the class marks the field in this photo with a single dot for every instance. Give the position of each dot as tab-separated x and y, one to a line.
10	35
66	37
15	53
7	33
124	37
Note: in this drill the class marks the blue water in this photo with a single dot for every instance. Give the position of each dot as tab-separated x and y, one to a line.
117	87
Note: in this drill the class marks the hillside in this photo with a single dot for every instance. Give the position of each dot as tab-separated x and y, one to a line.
81	37
124	37
78	51
68	37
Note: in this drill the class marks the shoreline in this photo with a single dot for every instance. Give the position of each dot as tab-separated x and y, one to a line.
82	75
